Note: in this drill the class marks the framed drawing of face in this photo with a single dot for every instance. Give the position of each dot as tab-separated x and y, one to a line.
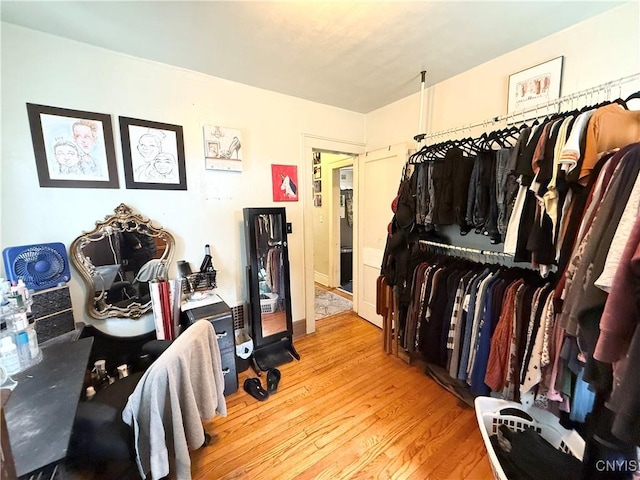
72	148
153	155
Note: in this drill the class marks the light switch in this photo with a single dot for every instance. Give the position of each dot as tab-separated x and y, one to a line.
289	227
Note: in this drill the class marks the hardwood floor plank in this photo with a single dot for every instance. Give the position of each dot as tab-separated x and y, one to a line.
345	410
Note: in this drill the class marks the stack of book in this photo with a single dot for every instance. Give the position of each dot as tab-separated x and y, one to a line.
166	296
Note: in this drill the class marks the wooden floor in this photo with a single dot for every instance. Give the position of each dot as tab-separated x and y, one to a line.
345	410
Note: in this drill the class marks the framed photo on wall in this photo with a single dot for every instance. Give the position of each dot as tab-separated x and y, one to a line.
222	148
535	86
153	155
73	148
284	180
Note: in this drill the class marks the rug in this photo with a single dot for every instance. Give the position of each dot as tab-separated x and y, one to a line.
328	303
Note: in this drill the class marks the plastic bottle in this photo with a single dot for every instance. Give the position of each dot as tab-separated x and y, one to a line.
34	348
102	379
9	355
26	294
17	314
22	344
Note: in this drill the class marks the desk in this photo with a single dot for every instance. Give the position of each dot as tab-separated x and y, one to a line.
41	409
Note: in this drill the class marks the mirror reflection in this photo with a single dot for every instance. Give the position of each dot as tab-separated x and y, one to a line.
118	259
270	273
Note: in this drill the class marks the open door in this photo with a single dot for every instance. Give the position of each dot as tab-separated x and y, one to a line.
378	179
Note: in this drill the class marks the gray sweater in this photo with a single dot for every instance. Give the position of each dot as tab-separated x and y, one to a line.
182	388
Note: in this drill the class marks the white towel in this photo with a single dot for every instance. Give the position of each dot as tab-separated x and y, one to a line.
182	388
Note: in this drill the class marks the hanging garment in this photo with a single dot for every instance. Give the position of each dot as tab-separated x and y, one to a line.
610	127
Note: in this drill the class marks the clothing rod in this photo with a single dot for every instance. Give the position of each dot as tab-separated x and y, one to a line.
465	249
559	101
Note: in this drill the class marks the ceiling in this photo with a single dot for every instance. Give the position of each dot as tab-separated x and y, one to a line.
356	55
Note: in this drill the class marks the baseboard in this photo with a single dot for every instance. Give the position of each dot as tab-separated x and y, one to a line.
299	328
321	278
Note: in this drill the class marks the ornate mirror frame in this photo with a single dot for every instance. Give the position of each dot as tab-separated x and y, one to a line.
122	220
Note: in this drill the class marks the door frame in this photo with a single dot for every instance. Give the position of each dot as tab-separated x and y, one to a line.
309	143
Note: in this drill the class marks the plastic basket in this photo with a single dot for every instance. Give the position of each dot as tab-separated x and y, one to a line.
493	412
268	305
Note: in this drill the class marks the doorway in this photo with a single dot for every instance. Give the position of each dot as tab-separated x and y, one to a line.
310	145
345	214
332	232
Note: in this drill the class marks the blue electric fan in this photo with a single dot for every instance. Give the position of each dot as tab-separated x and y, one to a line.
40	266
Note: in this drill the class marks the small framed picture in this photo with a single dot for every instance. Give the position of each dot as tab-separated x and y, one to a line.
73	148
317	186
316	158
284	181
153	155
222	148
534	86
317	200
317	172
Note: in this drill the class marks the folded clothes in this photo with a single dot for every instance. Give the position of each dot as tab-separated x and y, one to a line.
526	455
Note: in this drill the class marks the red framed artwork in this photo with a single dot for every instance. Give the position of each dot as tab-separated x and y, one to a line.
284	179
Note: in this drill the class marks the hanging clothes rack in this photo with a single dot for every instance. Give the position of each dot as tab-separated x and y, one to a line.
465	249
421	136
589	92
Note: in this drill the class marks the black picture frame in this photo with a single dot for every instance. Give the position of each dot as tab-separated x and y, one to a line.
72	148
153	155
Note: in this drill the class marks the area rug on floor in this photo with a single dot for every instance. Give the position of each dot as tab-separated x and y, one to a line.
328	303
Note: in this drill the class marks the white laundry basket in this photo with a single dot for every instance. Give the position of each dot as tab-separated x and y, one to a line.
268	302
493	412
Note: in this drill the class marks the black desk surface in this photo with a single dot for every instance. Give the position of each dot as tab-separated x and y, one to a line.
42	407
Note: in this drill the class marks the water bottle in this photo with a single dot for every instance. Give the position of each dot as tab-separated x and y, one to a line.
24	353
9	355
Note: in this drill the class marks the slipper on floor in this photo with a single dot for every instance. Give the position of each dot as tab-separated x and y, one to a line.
253	387
273	378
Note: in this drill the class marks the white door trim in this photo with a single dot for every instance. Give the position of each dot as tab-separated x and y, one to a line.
308	144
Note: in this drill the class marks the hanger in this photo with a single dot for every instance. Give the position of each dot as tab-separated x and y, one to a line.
633	95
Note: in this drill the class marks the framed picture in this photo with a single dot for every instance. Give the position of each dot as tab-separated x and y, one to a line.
317	172
222	148
317	200
73	148
534	86
153	155
317	186
284	179
316	158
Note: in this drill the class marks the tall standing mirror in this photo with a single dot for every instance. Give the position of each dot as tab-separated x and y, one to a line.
269	289
118	259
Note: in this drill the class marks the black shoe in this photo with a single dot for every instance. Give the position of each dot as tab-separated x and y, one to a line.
273	378
253	387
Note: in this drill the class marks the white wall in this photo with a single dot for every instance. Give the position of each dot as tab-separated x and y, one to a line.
596	51
43	69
